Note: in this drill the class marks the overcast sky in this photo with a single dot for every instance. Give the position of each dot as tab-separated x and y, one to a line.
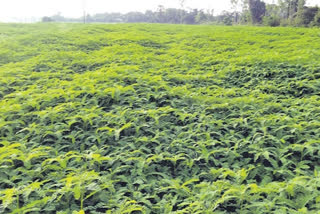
22	9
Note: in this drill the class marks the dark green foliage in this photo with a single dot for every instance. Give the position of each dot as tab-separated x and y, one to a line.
271	21
316	21
307	16
140	118
257	10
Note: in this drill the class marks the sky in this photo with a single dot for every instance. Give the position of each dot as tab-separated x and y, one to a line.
24	10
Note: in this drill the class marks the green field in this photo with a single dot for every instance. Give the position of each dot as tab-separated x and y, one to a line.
147	118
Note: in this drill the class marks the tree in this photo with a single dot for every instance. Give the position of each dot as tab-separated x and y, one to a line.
235	5
150	16
289	8
135	17
257	10
160	14
201	17
301	4
245	12
272	15
46	19
240	10
58	17
182	2
272	21
307	16
300	13
293	8
173	15
225	18
316	21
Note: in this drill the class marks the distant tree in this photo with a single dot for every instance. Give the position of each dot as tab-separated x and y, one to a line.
135	17
273	10
289	8
182	2
272	21
201	17
307	16
301	4
316	21
257	10
190	17
47	19
283	5
299	15
272	15
293	8
172	15
160	14
226	18
89	18
235	8
150	16
58	17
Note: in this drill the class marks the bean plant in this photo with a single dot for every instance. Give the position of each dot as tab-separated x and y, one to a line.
152	118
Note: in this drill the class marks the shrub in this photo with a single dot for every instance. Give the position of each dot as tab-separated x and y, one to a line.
272	21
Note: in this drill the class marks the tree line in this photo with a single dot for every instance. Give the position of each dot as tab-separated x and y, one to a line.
161	15
256	12
284	13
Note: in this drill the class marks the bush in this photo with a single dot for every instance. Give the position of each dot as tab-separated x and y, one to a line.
316	21
272	21
307	17
227	20
285	22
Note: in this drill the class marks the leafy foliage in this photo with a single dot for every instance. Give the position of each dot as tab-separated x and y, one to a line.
141	118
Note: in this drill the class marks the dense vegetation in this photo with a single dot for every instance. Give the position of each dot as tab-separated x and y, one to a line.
161	15
147	118
244	12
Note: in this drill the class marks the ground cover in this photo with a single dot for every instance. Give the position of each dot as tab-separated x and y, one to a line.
147	118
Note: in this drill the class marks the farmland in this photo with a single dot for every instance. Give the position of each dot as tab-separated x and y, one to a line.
147	118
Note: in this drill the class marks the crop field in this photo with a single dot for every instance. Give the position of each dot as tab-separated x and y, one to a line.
147	118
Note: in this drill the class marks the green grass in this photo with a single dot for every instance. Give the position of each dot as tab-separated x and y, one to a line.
146	118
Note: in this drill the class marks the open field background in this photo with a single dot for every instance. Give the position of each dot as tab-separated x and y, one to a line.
146	118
